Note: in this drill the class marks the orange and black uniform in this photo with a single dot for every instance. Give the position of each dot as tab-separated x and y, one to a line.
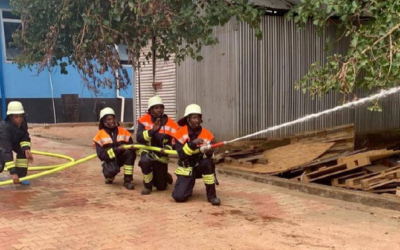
153	164
193	164
107	141
17	139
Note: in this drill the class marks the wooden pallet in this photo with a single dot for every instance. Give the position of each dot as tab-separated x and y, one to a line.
333	171
356	182
380	179
341	181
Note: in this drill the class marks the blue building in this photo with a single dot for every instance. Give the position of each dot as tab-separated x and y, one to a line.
51	97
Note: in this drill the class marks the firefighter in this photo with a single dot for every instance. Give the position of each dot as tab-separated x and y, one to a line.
14	136
155	129
109	142
194	164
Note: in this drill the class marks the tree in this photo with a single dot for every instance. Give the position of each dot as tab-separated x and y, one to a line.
84	33
373	59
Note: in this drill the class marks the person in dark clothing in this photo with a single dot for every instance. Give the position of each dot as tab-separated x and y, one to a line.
155	129
14	136
194	164
109	142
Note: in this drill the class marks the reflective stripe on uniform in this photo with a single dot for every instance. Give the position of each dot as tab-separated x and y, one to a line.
9	165
25	144
147	178
128	169
21	163
184	171
123	138
146	135
102	137
187	150
104	141
209	179
111	153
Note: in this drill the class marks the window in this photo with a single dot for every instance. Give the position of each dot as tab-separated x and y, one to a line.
10	23
123	54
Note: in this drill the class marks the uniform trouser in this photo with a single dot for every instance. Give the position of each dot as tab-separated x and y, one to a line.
154	172
21	164
185	184
126	160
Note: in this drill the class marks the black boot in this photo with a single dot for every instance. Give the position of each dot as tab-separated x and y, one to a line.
169	179
215	201
146	191
109	180
129	185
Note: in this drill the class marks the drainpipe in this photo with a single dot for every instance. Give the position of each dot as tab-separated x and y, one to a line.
3	95
119	96
122	99
134	97
52	92
122	102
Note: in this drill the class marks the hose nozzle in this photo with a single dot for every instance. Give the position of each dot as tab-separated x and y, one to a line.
205	148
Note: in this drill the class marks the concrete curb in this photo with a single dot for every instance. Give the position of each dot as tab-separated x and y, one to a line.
364	198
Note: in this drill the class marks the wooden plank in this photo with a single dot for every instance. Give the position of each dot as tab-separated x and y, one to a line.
398	191
256	158
384	183
240	153
237	162
376	168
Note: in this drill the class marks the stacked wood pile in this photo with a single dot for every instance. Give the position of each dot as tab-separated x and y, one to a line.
302	148
375	171
325	157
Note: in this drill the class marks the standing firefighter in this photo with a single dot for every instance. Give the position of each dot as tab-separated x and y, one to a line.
155	129
193	164
110	141
14	136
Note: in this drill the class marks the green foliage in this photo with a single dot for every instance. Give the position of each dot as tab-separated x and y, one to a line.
83	33
373	60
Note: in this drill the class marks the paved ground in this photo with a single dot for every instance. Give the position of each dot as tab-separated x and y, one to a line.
73	209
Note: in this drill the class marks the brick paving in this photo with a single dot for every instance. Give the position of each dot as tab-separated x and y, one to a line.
74	209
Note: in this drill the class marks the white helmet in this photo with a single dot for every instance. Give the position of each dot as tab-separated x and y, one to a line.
190	110
153	101
15	108
106	111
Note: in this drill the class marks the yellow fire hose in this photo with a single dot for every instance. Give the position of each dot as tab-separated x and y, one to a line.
38	168
60	167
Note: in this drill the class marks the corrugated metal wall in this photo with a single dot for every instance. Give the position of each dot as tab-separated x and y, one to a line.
260	88
165	73
269	70
213	83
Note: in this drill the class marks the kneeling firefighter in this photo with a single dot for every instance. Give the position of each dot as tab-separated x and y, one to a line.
14	136
155	129
194	164
110	141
